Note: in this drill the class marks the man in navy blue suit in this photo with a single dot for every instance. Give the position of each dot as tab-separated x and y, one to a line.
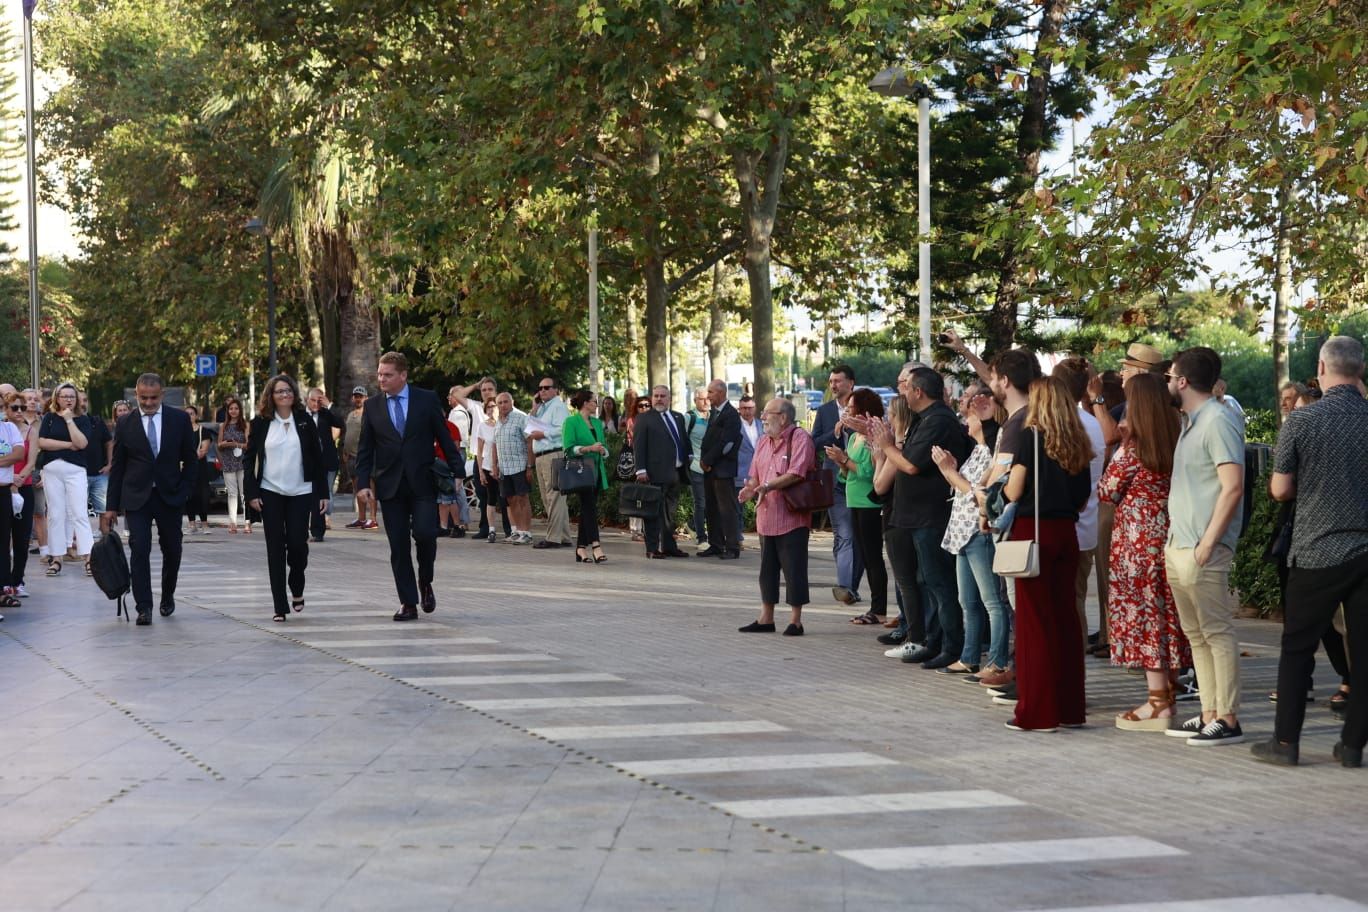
150	478
399	427
825	433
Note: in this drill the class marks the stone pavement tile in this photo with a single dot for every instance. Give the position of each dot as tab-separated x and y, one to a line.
517	878
419	876
98	900
45	876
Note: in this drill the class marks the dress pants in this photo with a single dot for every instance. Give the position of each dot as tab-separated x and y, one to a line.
721	510
285	521
588	518
1313	597
407	514
168	521
660	528
1049	640
316	524
20	532
867	524
553	501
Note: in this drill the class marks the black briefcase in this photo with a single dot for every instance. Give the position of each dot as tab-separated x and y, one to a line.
641	500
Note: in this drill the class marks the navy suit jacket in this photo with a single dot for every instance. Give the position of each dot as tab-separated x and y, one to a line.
384	456
134	472
722	441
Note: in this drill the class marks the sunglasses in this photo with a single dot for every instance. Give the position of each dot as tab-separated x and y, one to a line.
544	388
17	408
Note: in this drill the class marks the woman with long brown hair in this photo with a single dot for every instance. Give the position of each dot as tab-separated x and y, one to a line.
1143	626
1052	470
232	444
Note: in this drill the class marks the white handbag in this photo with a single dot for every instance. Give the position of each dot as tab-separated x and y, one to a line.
1021	559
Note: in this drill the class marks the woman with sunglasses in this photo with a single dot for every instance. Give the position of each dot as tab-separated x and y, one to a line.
12	453
62	436
21	530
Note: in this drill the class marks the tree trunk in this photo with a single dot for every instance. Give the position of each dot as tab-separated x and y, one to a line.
633	346
759	206
1001	323
717	362
1282	288
319	370
657	301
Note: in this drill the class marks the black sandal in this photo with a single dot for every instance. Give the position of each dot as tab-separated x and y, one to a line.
54	566
1339	700
8	601
297	604
598	554
280	617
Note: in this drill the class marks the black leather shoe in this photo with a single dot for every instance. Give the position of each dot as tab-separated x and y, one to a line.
1349	757
657	555
756	627
457	532
406	613
729	555
675	553
944	660
1274	751
793	630
543	545
891	639
711	552
167	609
144	617
921	655
429	598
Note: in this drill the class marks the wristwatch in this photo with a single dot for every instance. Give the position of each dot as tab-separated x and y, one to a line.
1099	401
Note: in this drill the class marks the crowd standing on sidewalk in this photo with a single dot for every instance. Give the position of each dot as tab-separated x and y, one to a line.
989	514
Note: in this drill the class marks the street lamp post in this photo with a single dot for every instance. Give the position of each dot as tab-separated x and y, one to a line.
595	381
892	83
256	226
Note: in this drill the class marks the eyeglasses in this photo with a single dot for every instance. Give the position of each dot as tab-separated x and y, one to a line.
284	392
544	388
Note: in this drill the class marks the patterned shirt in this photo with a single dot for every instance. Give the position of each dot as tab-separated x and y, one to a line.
964	513
510	443
791	454
1325	446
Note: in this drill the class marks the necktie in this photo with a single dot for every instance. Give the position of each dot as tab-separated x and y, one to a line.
397	412
152	440
674	433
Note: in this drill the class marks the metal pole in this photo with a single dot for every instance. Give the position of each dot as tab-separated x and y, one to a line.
270	308
924	221
595	381
35	358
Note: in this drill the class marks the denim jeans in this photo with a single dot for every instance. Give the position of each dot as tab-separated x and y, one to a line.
938	586
849	563
984	601
700	506
99	486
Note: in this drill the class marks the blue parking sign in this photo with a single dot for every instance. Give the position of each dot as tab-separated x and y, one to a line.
206	365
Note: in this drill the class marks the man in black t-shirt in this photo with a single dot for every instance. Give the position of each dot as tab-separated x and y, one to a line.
99	449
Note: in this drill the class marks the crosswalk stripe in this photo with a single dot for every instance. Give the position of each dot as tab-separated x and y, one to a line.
1291	902
456	660
576	702
407	641
655	730
569	677
697	765
868	804
996	854
303	620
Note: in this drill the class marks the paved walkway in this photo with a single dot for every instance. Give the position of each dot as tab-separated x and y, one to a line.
562	736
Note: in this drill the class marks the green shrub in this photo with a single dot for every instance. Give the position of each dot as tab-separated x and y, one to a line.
1255	580
1261	426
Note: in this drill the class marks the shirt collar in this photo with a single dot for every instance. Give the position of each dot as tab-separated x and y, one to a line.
402	394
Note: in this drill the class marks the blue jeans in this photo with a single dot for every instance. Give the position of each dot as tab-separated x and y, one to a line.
938	586
984	601
849	564
700	505
99	487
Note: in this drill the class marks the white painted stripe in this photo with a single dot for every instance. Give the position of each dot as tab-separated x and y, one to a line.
753	763
407	641
996	854
299	620
655	730
868	804
454	660
355	611
484	680
575	702
1292	902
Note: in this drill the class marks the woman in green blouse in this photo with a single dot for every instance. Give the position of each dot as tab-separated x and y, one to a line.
856	464
583	435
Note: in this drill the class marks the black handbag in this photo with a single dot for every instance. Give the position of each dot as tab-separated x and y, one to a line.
572	474
443	478
641	500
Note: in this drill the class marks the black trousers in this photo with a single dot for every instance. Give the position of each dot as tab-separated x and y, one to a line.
407	514
659	529
197	504
7	524
902	560
1331	639
285	522
20	532
140	521
787	553
1313	597
720	496
588	518
867	523
316	522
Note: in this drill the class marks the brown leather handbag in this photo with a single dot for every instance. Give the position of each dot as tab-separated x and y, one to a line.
816	491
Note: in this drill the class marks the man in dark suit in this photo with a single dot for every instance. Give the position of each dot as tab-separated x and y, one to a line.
660	446
329	428
828	431
399	427
150	478
721	445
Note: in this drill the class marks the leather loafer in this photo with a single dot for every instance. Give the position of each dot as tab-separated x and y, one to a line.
674	553
429	598
144	617
543	545
168	609
793	630
657	555
756	627
406	613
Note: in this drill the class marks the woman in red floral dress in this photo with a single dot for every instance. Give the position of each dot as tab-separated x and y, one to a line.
1143	621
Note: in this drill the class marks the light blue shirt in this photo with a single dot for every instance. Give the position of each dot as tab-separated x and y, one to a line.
1212	436
552	413
403	397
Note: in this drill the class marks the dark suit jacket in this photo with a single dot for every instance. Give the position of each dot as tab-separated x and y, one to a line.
654	448
722	441
134	473
325	422
824	427
310	454
385	457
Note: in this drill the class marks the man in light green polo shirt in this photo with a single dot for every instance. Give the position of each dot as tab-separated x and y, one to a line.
1204	499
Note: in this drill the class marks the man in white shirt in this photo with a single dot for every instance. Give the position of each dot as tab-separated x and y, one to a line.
750	435
550	411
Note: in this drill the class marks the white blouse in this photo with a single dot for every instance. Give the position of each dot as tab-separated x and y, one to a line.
284	470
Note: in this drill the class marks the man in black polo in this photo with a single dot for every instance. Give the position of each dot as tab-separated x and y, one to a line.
1321	462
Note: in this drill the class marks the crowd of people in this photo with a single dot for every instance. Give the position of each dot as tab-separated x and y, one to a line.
989	513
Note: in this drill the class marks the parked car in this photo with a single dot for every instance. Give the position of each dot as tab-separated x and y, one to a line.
814	399
218	488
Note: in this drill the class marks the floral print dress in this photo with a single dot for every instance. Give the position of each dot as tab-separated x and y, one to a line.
1142	618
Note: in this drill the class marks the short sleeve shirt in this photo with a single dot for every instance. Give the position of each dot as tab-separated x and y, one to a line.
791	454
1212	436
1325	446
511	443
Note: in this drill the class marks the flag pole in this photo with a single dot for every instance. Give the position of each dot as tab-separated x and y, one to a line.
34	329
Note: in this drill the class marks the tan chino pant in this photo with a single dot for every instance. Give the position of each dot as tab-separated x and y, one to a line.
557	512
1202	596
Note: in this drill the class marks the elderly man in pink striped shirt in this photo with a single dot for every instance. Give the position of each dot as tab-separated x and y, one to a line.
782	457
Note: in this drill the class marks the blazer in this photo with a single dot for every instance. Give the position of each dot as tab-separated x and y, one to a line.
654	448
134	472
383	457
824	427
310	454
326	420
745	454
578	432
722	441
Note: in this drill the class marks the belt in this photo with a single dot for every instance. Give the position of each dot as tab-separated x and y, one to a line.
540	454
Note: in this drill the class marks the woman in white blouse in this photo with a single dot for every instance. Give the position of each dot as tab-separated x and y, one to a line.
285	480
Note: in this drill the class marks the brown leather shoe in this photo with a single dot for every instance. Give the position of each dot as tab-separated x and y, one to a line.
406	613
429	598
1000	679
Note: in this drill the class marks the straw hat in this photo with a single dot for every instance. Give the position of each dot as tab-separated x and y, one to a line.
1142	356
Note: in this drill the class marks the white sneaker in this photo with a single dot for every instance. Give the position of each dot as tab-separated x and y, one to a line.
518	538
906	649
20	591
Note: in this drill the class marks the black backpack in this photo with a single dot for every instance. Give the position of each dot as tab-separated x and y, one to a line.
109	569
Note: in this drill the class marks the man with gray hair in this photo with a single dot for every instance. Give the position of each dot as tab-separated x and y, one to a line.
661	448
1321	462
